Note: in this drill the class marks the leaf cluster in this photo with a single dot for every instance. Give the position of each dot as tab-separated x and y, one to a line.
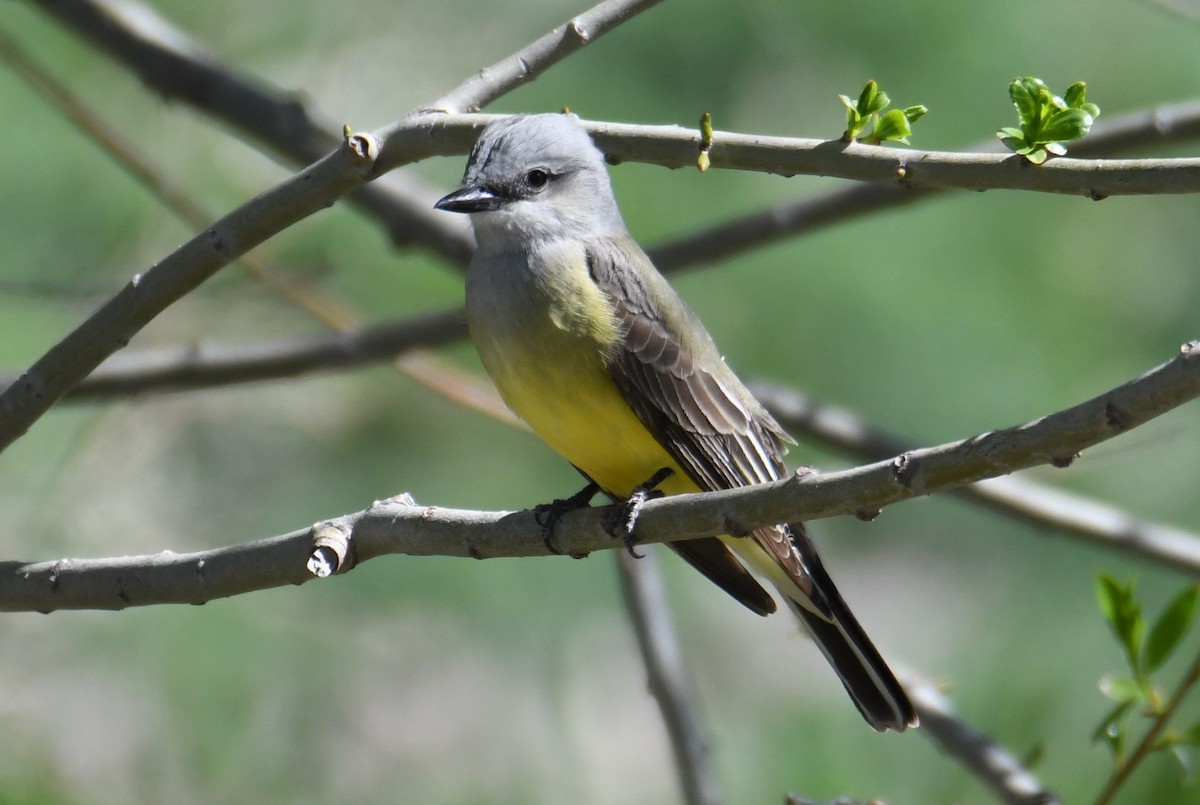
1046	121
866	119
1146	648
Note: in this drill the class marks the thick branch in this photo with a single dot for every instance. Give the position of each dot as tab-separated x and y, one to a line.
400	527
213	365
1074	515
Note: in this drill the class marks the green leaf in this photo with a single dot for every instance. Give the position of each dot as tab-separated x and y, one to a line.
1190	736
891	125
1076	95
1122	689
1035	155
914	113
1110	721
1034	756
1184	761
868	100
1169	628
1024	100
1065	125
1120	608
849	104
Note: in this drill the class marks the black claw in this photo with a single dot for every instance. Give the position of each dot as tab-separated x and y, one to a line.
623	519
547	515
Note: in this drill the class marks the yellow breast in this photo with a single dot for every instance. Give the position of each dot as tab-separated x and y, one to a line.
545	333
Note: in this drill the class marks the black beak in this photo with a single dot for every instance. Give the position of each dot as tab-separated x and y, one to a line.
469	199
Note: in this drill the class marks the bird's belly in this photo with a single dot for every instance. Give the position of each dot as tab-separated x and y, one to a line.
576	408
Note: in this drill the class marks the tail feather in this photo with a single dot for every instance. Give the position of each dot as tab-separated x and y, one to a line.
871	684
873	688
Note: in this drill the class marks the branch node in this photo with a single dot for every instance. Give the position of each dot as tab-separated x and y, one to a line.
361	145
1115	417
904	467
1189	348
1062	462
579	30
333	551
733	528
867	515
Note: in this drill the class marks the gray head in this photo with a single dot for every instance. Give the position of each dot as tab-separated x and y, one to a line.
535	178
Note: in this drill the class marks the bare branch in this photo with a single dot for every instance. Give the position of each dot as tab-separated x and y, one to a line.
167	61
983	757
1164	125
646	602
211	365
206	365
675	147
1074	515
421	531
504	76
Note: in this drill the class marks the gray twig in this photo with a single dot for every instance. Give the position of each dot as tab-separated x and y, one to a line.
646	604
989	762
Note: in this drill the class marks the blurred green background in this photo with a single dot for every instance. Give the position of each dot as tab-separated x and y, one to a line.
440	680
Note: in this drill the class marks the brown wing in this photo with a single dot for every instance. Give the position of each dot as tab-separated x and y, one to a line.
672	376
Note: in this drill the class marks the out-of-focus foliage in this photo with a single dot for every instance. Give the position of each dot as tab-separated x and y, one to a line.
427	680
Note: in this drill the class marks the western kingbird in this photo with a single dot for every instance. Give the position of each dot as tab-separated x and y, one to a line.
588	344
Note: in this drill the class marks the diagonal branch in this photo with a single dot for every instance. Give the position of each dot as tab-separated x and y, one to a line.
403	527
989	762
166	60
646	604
1073	515
504	76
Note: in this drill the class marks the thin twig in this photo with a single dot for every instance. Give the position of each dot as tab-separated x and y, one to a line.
415	530
646	603
1164	125
205	365
988	761
1142	750
506	75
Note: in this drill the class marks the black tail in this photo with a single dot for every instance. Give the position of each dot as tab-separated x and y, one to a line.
871	684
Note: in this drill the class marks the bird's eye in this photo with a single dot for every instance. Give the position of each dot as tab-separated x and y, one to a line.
537	179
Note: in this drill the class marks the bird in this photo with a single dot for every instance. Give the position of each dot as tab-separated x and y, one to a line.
588	343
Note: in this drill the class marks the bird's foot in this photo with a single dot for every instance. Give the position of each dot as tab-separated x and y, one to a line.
624	516
547	515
